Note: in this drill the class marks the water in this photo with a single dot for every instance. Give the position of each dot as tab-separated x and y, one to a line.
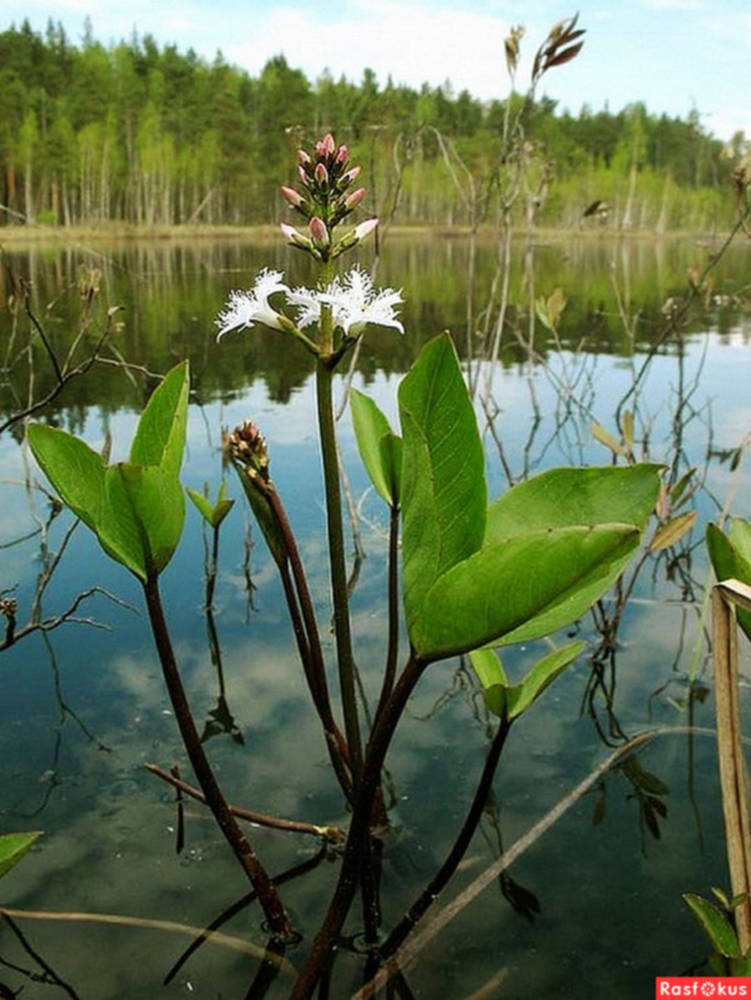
83	708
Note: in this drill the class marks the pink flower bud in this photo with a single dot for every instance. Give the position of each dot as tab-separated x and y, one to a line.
302	157
342	155
354	199
303	176
291	196
346	179
318	230
293	236
328	144
365	228
321	174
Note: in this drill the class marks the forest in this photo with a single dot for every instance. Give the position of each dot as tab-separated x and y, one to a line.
141	134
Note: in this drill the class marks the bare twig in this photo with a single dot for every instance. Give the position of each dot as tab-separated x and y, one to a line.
331	833
67	617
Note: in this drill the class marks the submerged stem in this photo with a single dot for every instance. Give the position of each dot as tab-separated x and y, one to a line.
267	894
448	868
359	829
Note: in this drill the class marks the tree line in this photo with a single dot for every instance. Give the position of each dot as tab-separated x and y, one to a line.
153	136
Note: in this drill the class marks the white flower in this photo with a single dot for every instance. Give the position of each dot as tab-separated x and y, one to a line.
354	303
244	309
308	303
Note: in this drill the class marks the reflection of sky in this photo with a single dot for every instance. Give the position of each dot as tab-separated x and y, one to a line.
610	894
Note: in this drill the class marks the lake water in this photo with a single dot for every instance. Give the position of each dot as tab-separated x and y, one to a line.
83	708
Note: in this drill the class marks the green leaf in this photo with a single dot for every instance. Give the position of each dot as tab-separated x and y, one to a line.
160	436
492	676
563	497
264	515
511	700
715	925
731	558
542	674
526	585
739	533
202	503
212	514
443	490
13	846
75	470
221	509
391	449
371	427
142	519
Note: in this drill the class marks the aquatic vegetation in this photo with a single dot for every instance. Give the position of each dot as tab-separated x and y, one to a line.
473	575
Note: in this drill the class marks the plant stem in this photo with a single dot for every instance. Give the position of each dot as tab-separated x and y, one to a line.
267	894
309	641
393	639
359	829
457	852
345	659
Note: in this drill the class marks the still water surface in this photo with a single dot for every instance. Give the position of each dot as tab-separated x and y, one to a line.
598	909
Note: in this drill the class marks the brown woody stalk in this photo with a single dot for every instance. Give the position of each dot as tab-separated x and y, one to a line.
725	596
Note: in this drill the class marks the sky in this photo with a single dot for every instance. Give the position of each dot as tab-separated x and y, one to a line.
674	55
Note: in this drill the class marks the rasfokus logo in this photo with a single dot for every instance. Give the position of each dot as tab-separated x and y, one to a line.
703	986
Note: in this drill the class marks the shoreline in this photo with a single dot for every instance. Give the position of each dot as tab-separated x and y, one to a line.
262	233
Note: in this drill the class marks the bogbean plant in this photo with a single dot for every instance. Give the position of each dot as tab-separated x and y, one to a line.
474	576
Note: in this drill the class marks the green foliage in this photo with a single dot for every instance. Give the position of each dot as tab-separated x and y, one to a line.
264	515
443	483
380	449
715	925
152	135
731	558
13	846
533	562
214	513
510	701
551	505
136	508
160	435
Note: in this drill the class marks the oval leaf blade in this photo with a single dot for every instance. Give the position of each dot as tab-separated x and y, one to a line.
715	924
143	517
444	496
74	470
370	427
160	436
491	675
542	674
528	586
566	497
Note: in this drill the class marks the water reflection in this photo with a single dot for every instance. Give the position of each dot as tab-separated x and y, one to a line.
603	889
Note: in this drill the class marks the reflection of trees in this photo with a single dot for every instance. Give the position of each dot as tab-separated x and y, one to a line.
170	293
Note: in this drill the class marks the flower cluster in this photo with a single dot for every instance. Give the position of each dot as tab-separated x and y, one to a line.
353	300
326	200
247	449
